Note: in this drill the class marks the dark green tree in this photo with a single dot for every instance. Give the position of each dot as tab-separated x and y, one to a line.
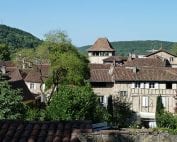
11	106
159	111
4	52
75	103
110	107
123	116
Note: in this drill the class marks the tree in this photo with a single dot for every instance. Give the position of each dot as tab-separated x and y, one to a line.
4	52
174	49
159	110
67	65
75	103
57	36
123	116
11	106
25	57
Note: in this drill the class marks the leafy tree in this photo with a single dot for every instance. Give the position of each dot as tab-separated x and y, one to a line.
123	116
67	65
57	36
75	103
25	57
4	52
174	49
159	110
11	106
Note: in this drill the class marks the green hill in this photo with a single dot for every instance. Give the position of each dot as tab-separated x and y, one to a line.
16	38
137	47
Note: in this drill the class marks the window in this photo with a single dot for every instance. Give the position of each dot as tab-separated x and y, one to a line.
123	93
171	59
169	85
164	101
101	98
145	102
95	53
151	85
31	85
137	85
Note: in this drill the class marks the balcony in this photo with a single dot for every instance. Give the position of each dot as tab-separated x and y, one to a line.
138	91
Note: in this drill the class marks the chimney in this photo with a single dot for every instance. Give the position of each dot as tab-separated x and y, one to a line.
3	69
111	69
135	69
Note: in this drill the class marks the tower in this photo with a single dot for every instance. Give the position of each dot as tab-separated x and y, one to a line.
100	50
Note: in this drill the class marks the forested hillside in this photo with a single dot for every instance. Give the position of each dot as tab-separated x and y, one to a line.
138	47
16	38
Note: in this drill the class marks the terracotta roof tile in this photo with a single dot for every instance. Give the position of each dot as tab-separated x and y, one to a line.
127	74
102	44
36	73
7	63
144	74
99	66
114	58
13	73
24	131
100	75
151	62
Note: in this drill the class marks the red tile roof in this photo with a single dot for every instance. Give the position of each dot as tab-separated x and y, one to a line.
38	73
127	74
13	73
100	75
114	58
7	63
51	131
149	62
102	44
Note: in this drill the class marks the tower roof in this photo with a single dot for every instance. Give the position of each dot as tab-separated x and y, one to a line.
101	44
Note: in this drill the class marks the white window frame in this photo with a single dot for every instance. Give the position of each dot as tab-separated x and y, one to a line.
164	101
145	101
31	85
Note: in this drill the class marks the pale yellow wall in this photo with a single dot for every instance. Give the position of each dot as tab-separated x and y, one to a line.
135	95
97	59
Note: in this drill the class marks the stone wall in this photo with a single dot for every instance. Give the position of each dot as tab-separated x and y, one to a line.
130	136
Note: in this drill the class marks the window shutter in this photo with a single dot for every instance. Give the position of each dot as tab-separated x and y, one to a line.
147	85
133	85
156	85
164	101
105	101
145	102
142	85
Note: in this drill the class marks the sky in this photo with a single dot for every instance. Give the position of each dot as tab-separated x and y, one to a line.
86	20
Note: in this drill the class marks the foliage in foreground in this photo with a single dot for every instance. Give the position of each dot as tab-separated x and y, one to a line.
121	114
159	111
75	103
11	106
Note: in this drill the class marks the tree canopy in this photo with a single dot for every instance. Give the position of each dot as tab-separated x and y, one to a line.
75	103
11	106
4	52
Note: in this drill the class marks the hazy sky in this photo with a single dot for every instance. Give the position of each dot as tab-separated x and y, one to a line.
86	20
